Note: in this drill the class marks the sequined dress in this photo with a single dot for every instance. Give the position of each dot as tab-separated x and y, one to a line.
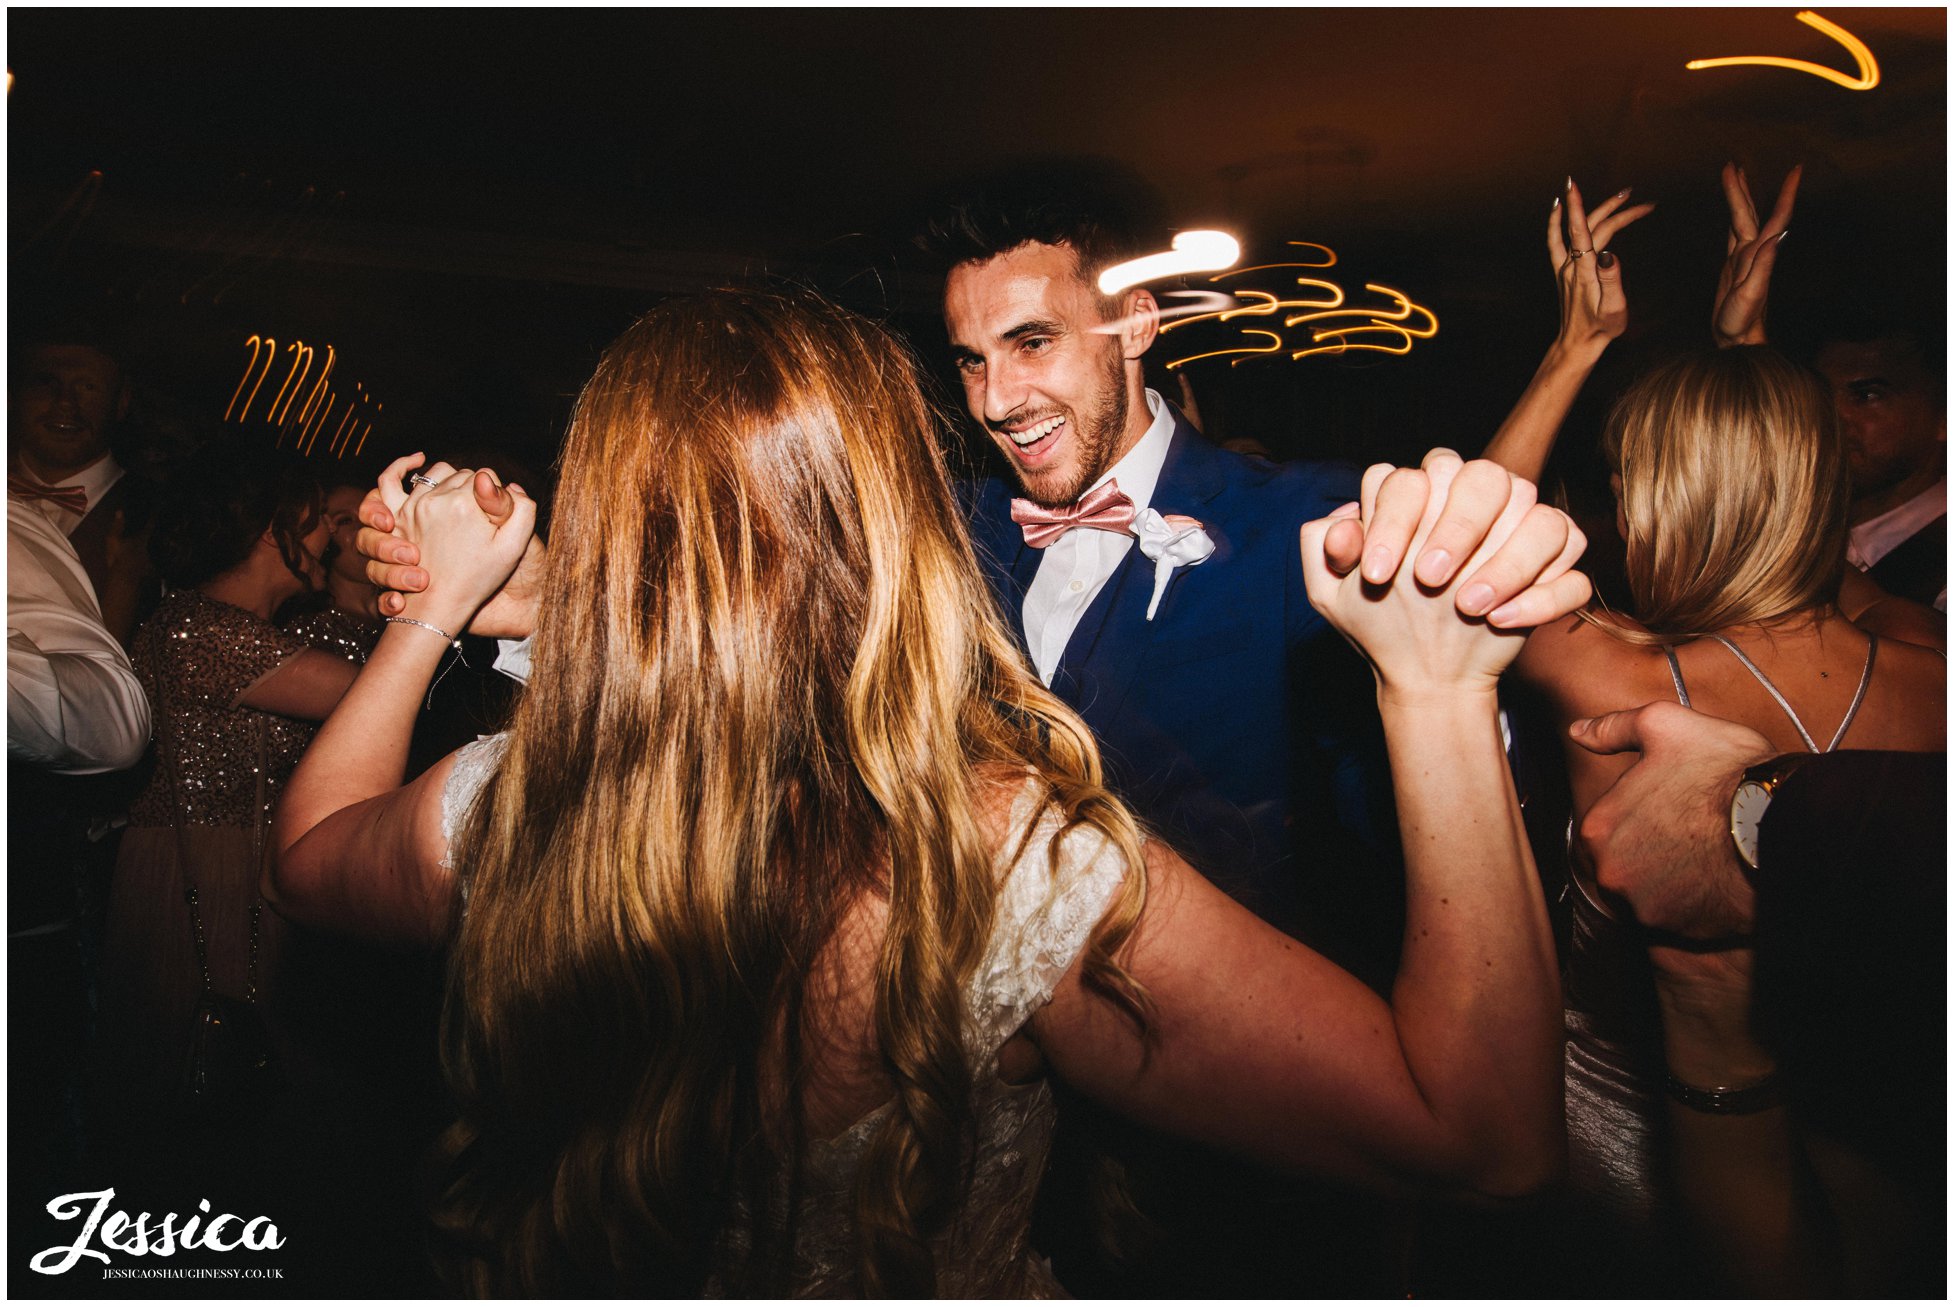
1041	924
199	819
340	634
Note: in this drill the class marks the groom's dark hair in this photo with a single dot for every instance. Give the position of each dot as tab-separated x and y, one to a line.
1103	212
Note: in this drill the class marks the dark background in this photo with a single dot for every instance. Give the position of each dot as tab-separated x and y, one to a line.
469	205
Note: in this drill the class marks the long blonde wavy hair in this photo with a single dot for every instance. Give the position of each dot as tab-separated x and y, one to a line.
1733	494
769	680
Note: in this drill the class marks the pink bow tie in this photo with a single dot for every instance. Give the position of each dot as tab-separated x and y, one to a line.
72	498
1104	508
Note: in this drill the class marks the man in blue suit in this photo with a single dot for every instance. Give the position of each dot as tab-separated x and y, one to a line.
1229	715
1203	682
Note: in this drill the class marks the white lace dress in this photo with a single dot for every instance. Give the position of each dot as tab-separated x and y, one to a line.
1041	924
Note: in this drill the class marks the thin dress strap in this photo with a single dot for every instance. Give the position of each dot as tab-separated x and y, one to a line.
1859	696
1676	674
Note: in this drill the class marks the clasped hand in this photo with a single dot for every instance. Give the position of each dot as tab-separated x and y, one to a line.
1487	563
467	530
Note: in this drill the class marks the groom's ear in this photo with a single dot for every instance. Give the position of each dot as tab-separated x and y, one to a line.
1139	322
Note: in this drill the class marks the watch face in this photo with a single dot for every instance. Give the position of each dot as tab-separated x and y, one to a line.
1746	811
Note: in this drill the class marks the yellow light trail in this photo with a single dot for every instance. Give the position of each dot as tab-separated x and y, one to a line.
318	387
301	355
1273	347
253	340
1868	76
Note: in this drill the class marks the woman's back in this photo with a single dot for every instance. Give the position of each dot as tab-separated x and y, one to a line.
1043	916
1814	660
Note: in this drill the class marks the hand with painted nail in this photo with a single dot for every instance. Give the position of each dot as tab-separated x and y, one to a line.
1750	252
1593	303
1485	562
1593	312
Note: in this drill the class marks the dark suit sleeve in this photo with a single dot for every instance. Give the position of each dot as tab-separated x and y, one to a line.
1852	907
1314	490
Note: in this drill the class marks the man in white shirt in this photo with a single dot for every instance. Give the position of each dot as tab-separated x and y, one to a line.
1892	412
74	705
66	399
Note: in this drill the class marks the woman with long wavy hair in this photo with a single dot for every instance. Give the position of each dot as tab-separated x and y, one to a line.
789	883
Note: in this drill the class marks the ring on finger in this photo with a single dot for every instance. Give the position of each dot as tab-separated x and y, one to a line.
1575	254
419	480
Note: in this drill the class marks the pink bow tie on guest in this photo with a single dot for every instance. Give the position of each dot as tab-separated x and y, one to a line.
1103	508
72	498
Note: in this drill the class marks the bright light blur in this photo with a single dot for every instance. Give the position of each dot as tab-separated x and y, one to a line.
1194	251
1868	76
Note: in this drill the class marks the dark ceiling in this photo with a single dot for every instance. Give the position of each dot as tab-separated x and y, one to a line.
472	202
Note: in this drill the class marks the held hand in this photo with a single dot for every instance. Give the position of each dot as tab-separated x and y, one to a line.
1750	252
1593	303
468	555
1527	583
1490	560
394	562
1660	836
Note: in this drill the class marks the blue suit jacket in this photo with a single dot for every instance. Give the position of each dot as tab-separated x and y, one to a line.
1225	720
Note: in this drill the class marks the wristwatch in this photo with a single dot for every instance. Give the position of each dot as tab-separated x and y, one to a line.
1753	798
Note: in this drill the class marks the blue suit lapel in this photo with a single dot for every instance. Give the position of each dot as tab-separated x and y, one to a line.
1112	639
1007	562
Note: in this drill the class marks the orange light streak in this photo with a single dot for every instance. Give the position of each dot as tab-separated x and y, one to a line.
1273	347
1868	76
318	387
253	340
301	354
271	352
342	429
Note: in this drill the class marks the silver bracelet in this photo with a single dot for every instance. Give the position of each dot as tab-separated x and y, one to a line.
428	626
453	643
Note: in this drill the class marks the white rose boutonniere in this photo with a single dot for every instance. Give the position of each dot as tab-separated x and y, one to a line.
1171	541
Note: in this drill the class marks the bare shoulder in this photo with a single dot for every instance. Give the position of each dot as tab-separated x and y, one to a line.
995	797
1909	695
1583	670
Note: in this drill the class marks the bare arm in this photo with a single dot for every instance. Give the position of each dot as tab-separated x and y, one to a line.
1660	837
355	848
1278	1053
1593	311
308	685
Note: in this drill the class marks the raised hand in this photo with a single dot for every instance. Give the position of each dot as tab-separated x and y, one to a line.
1750	252
468	554
1593	304
1490	561
1593	311
394	562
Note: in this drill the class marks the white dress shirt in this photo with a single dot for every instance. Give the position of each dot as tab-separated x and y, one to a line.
1877	537
73	702
95	480
1077	566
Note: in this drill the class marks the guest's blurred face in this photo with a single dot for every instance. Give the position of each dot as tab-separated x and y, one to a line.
1890	412
343	559
63	408
1050	391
